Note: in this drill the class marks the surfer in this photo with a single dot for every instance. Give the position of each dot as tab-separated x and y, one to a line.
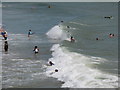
6	46
36	49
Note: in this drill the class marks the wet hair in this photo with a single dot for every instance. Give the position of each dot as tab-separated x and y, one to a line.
56	70
49	6
96	38
35	46
71	37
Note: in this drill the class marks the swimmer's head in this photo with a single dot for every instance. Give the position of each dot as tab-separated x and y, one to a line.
35	46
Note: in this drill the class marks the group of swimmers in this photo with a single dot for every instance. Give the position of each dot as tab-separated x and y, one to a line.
110	36
35	49
71	37
4	35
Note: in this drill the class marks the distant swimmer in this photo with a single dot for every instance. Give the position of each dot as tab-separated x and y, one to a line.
36	49
109	17
61	21
97	39
4	34
68	26
49	6
30	33
56	70
51	63
6	46
111	35
72	39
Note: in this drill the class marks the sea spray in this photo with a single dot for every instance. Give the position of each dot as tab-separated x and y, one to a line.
73	69
56	33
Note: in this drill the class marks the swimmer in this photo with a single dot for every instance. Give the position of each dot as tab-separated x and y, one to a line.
113	35
72	39
6	46
56	70
68	26
30	33
36	49
49	6
110	35
4	34
61	21
51	63
97	39
109	17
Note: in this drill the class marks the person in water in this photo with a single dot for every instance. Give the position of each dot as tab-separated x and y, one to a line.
36	49
72	39
68	26
111	35
30	33
97	39
49	6
51	63
4	34
56	70
6	46
109	17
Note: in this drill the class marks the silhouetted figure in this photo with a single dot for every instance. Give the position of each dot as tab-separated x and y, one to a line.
68	26
56	70
6	46
109	17
51	63
97	39
49	6
113	35
72	39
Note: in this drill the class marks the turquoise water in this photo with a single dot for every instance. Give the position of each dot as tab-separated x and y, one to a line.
85	63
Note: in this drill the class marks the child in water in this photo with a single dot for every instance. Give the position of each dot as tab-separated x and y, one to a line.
36	49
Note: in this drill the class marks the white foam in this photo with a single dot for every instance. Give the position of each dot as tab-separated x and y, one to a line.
74	70
56	33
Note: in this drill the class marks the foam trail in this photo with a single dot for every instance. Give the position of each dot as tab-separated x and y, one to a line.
56	33
75	71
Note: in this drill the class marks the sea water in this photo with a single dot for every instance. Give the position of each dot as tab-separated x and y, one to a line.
85	63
